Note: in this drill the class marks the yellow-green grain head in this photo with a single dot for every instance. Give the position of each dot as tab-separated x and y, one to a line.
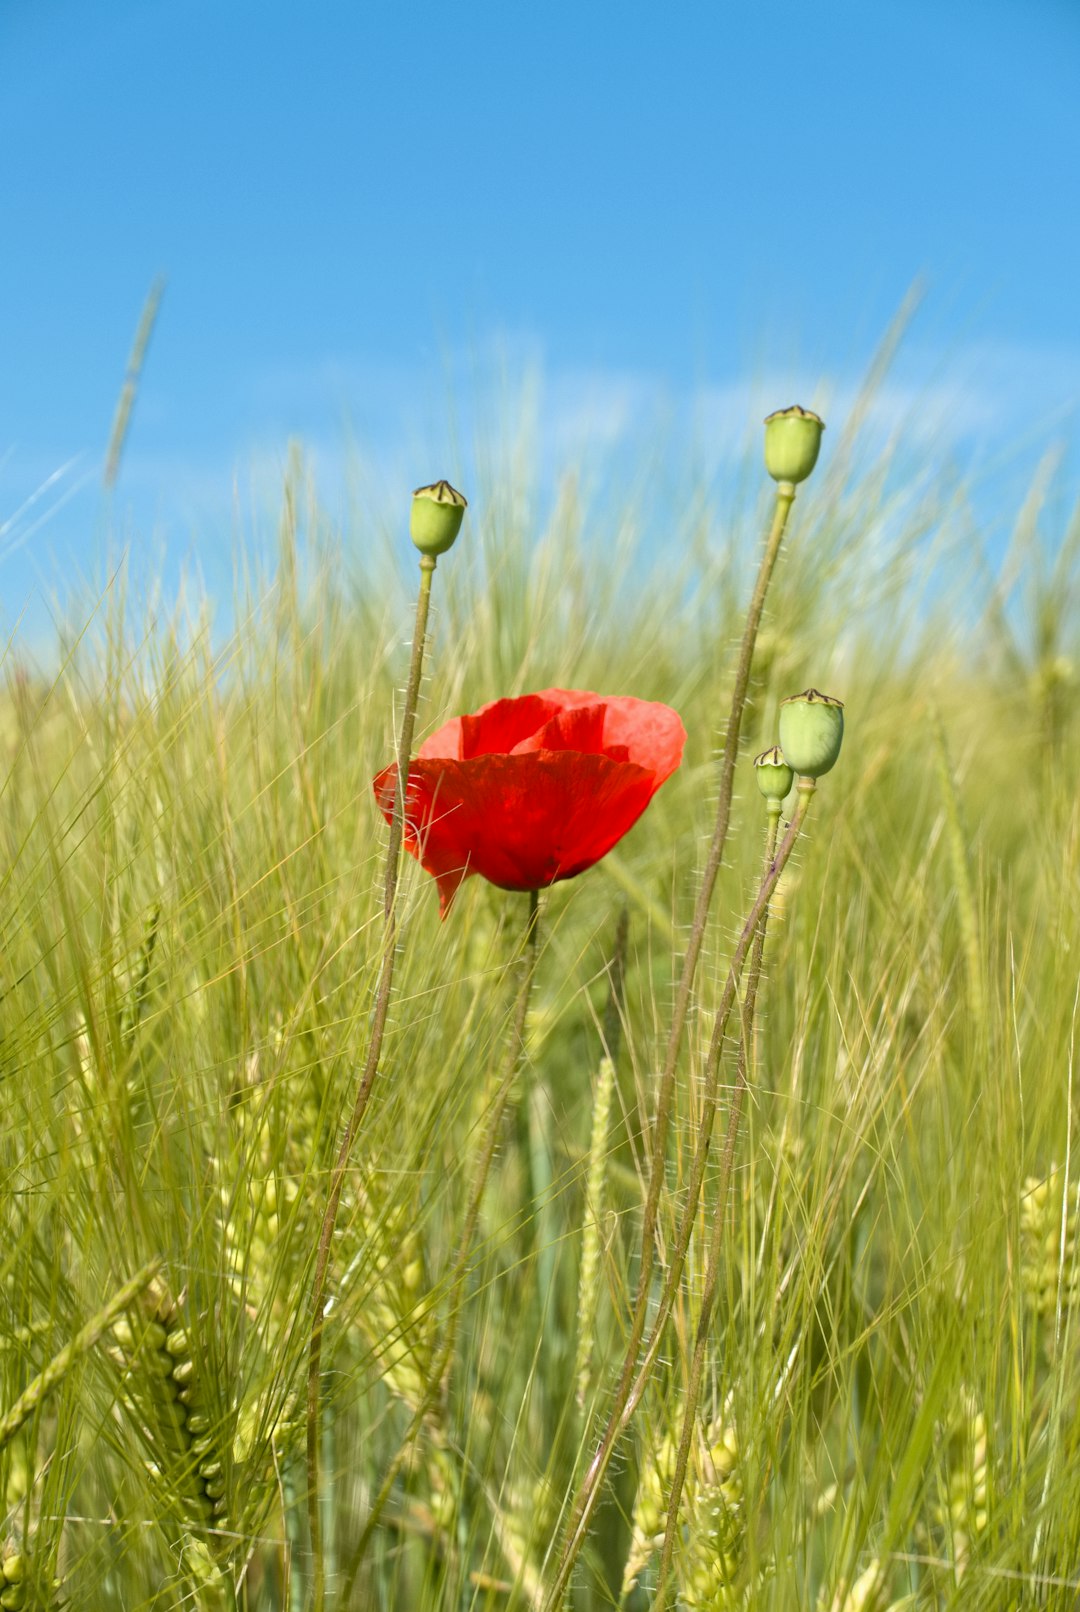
811	732
437	514
773	776
792	443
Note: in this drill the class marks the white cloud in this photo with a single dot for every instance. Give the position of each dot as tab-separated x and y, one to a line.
369	430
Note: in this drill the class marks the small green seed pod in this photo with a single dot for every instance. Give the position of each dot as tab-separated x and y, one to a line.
773	775
437	514
792	442
811	732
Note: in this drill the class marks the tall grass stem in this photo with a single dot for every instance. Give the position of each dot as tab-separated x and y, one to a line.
367	1079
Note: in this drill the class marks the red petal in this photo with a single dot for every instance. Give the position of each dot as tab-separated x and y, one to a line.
498	727
580	728
522	821
445	741
532	790
652	733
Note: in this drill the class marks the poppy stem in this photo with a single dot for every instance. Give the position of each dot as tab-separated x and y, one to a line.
436	1385
589	1491
719	1220
367	1078
635	1377
785	497
513	1055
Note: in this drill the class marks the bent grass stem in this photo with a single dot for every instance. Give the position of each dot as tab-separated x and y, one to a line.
630	1397
28	1402
367	1078
588	1492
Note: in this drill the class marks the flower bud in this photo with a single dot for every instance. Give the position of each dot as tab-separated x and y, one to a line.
792	440
437	513
811	731
774	776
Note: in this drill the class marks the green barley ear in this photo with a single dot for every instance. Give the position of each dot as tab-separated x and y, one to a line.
595	1194
650	1508
713	1562
258	1189
395	1319
522	1521
962	881
22	1584
792	443
437	514
188	1455
711	1559
140	984
29	1401
868	1593
397	1322
962	1512
596	1174
1048	1243
811	732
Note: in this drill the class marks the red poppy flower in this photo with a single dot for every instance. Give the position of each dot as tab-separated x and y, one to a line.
533	790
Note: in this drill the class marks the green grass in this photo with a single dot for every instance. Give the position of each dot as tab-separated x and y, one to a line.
191	905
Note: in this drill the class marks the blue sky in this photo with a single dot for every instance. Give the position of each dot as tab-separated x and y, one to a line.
360	207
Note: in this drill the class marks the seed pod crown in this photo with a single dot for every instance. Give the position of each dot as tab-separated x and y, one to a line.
792	443
437	513
773	775
811	731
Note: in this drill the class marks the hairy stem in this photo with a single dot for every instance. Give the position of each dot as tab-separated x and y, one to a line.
367	1078
586	1496
635	1380
712	1268
514	1051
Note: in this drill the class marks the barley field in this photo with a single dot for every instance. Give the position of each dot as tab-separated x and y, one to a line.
857	1361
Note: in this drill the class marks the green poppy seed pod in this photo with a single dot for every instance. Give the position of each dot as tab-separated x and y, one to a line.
774	776
437	513
792	441
811	732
